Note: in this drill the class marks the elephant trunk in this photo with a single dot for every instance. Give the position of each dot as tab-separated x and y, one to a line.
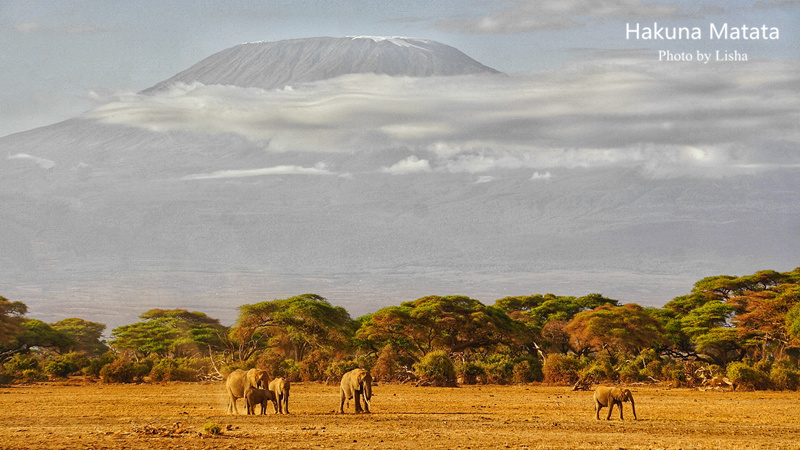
633	409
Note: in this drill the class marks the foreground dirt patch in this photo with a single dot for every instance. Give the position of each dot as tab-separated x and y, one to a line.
172	416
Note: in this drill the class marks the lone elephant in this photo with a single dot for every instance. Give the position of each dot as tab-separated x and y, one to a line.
356	384
610	396
280	390
256	396
239	381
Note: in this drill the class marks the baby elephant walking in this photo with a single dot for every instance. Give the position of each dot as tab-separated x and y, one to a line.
256	396
610	396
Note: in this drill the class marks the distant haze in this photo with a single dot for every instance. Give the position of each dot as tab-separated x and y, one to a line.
373	171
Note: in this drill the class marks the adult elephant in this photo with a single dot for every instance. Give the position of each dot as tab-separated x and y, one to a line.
280	387
239	381
356	384
610	396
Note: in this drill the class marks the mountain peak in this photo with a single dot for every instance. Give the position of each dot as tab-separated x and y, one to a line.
274	65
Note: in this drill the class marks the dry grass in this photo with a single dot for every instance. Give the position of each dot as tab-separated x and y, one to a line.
173	416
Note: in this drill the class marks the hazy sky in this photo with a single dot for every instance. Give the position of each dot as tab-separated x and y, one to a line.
61	58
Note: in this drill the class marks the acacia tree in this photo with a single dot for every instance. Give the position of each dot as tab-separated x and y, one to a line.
763	319
169	333
11	319
626	329
722	316
296	325
87	336
545	317
451	323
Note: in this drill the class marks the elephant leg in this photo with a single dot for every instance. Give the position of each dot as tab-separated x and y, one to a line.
357	398
620	411
286	403
610	408
232	409
366	405
597	408
341	405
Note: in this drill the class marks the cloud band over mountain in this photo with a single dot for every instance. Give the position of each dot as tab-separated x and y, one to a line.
713	123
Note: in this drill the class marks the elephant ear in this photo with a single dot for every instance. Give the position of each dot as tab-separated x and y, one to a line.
627	395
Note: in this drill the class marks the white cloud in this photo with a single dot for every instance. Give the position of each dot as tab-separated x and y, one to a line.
319	169
667	119
541	176
412	164
44	163
525	16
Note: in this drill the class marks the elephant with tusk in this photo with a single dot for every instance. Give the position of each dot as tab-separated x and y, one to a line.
280	389
610	396
356	384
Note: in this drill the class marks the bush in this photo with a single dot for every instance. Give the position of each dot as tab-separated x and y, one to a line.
212	428
386	366
437	368
23	368
337	369
470	372
173	370
123	371
312	367
528	370
499	369
561	369
785	375
96	364
743	375
599	368
20	362
62	366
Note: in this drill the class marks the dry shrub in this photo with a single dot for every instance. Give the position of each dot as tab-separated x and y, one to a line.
437	369
386	366
561	369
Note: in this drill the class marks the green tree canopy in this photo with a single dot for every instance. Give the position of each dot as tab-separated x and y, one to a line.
169	333
11	318
626	329
40	335
88	336
451	323
296	325
545	317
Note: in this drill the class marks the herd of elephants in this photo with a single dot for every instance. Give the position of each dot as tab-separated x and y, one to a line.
254	386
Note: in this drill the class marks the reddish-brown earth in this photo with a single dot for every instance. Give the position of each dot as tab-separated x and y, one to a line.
172	416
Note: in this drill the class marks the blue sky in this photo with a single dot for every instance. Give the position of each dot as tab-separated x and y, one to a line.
56	55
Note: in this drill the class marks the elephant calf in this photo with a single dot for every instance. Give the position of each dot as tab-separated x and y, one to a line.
610	396
256	396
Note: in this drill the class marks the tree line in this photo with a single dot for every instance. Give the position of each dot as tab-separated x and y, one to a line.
743	329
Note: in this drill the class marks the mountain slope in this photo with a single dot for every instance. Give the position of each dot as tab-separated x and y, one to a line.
104	219
270	65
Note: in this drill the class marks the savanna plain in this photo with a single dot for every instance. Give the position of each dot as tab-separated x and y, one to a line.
172	416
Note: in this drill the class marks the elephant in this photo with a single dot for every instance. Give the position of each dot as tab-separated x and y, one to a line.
280	389
256	396
356	384
239	381
610	396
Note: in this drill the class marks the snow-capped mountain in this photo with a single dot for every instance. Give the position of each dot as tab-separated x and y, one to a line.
401	168
270	65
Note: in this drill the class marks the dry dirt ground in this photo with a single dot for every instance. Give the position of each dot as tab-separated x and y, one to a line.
172	416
